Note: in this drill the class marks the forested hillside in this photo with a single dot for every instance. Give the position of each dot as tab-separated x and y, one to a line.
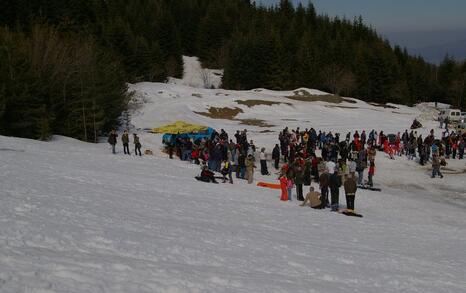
65	63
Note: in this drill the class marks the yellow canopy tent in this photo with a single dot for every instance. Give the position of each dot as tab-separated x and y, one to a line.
179	127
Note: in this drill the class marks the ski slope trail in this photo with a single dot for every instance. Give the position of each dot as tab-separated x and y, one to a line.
75	218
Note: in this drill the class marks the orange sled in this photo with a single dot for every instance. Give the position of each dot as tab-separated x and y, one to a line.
269	185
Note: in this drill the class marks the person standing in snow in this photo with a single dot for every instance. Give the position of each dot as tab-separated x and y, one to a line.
360	166
112	140
125	141
371	173
335	184
137	144
436	166
461	146
298	173
350	191
283	187
263	162
250	168
241	171
276	156
324	183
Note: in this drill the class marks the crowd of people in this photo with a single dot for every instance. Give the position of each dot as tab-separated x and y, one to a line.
219	153
342	162
337	166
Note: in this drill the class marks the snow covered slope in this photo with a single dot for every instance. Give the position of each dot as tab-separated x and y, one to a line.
75	218
155	104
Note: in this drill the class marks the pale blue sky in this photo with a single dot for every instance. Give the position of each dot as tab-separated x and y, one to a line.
397	15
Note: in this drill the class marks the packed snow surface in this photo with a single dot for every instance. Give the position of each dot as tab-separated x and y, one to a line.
75	218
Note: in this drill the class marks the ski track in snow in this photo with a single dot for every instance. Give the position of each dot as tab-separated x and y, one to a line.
75	218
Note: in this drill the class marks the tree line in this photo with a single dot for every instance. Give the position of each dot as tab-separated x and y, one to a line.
65	63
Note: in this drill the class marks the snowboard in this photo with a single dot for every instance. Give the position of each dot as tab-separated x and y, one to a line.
366	187
350	213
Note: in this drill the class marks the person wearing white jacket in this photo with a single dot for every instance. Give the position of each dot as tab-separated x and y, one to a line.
263	161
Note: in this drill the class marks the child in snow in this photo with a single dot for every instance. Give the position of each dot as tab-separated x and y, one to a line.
289	187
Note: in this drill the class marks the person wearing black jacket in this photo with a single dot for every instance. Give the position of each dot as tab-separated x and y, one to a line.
276	156
324	184
112	140
241	166
335	184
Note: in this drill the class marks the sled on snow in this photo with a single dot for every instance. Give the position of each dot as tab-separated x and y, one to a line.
269	185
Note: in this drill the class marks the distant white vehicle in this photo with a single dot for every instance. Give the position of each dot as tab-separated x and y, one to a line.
451	114
461	126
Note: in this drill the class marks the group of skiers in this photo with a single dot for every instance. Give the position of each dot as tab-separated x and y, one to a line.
113	139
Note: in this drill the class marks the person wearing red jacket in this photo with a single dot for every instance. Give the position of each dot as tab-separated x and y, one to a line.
283	186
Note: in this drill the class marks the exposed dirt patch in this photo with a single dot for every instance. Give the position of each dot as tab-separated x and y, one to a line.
230	114
221	113
305	96
289	120
266	131
197	95
252	103
254	122
385	106
395	112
